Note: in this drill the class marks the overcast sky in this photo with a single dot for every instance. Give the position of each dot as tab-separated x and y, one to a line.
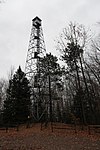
15	25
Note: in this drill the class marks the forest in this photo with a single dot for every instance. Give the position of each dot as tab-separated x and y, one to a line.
65	89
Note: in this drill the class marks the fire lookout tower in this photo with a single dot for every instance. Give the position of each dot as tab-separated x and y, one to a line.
36	51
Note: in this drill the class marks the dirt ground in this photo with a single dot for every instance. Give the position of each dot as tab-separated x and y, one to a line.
60	139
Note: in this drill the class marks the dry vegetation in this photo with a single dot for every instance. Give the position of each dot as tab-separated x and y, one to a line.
60	139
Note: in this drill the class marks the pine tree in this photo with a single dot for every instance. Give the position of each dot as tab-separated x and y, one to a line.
17	104
51	75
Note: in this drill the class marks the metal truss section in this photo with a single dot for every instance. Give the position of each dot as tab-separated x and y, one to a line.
36	49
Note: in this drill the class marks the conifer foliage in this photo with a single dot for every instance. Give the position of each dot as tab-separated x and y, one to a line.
17	104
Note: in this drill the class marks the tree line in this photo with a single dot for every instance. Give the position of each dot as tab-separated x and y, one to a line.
65	93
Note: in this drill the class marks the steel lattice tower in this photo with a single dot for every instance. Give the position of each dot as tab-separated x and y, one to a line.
36	51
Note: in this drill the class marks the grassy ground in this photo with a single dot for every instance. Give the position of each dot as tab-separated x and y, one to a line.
60	139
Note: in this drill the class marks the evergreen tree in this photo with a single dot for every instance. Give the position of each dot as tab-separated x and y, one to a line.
51	77
17	104
47	80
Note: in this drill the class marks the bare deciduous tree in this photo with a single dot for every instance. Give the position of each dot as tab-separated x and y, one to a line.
3	88
72	44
